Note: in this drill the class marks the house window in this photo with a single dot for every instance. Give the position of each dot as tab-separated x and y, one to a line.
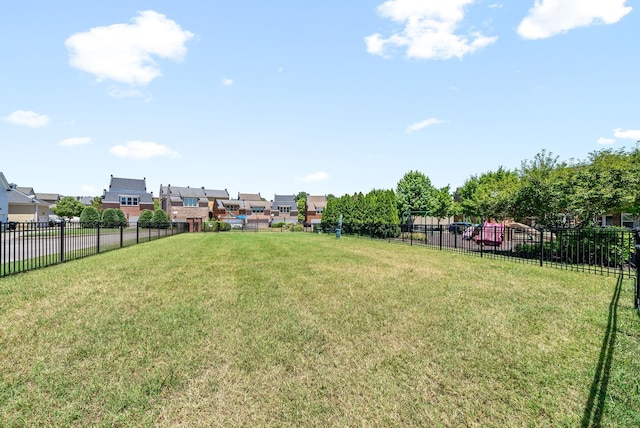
130	201
232	208
284	209
627	221
257	210
190	202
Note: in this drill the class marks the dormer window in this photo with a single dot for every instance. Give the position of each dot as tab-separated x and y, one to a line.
129	201
190	202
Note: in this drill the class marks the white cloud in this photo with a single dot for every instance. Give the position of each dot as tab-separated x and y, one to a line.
630	134
227	82
418	126
315	177
548	18
142	150
74	141
117	92
606	141
430	30
28	118
125	52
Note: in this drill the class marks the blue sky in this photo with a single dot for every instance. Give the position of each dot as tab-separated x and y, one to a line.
325	97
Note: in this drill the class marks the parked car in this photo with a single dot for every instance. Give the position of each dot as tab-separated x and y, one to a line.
458	226
54	220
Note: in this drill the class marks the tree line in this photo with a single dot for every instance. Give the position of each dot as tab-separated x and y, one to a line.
550	192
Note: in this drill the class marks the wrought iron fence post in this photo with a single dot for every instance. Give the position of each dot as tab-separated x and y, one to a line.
542	246
62	225
122	235
440	230
636	297
455	238
137	233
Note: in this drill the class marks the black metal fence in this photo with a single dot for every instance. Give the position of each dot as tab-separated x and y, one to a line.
598	250
27	246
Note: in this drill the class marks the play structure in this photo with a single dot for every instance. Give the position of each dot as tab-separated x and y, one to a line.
491	234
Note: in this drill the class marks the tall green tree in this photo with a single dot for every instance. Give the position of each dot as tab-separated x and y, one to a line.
542	194
442	203
301	201
490	195
603	183
68	207
96	202
415	193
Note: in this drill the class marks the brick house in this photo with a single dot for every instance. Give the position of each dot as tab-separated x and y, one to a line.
285	209
129	195
248	210
313	209
193	205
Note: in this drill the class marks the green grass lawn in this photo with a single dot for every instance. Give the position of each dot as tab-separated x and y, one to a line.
283	329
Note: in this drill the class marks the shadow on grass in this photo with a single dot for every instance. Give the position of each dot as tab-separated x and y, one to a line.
594	409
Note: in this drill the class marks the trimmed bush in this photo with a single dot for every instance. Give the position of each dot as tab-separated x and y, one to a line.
90	217
110	218
121	217
159	220
145	218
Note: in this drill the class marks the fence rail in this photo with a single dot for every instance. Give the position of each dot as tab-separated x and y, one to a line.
27	246
598	250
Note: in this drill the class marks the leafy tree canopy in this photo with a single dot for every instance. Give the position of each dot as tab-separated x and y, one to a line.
68	207
490	195
415	193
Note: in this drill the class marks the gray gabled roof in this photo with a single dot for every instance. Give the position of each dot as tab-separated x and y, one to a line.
127	187
284	201
17	197
218	194
193	192
26	190
223	203
315	202
51	197
249	196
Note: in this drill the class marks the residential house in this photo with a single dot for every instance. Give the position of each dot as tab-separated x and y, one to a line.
192	205
229	211
4	199
284	209
249	210
313	209
213	196
619	219
85	200
129	195
25	207
51	198
256	211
